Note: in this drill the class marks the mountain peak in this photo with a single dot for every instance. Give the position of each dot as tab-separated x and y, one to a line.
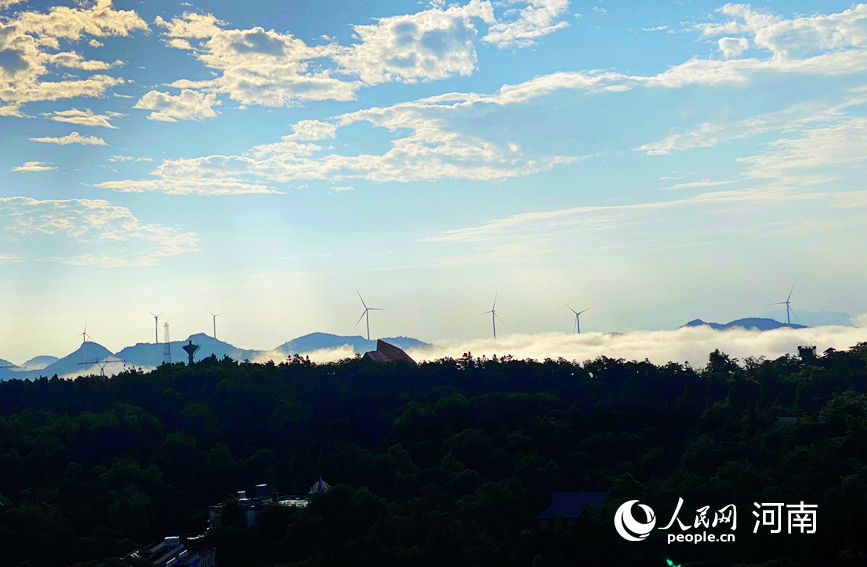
757	323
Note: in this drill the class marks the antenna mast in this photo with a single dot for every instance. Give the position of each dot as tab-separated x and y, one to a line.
167	345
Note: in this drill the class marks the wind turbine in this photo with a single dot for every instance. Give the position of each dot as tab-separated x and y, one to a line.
215	321
789	310
84	336
157	326
366	314
578	318
494	315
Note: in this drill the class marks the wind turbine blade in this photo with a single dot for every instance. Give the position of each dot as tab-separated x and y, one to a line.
161	313
376	309
796	317
790	293
777	303
498	317
362	317
572	310
495	301
209	311
361	298
218	314
485	313
585	311
152	313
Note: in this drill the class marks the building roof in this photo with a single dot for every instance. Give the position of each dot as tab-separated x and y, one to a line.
319	486
571	504
386	353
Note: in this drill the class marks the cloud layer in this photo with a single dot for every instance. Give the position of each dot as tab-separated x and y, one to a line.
95	232
32	43
689	344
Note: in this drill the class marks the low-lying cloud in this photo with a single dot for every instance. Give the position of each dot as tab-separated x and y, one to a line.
689	344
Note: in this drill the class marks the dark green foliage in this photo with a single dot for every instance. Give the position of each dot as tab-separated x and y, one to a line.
444	464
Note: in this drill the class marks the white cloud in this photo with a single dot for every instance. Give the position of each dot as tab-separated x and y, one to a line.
732	47
96	232
256	66
431	141
433	144
710	134
73	138
799	36
189	105
73	60
33	166
851	200
31	42
345	188
121	159
696	184
312	130
180	44
83	117
425	46
206	186
615	217
6	3
539	18
839	145
270	68
191	26
11	110
689	344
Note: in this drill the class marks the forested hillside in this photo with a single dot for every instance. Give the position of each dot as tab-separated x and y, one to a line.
446	463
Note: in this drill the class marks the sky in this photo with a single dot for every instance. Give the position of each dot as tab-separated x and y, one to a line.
659	162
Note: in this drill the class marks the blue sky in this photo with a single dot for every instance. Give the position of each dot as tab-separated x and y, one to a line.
659	161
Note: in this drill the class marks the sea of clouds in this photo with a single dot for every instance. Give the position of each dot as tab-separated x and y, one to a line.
687	344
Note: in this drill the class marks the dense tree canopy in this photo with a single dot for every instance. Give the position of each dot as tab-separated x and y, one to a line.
446	463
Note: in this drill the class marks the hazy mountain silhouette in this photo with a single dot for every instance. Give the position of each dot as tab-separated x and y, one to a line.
813	318
150	354
319	341
38	362
147	355
758	323
5	362
72	364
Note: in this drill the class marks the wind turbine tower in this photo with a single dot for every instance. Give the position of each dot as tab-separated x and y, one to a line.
578	318
494	316
215	321
789	310
84	336
366	314
157	326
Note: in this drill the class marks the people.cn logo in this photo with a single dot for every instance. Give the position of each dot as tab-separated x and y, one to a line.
630	529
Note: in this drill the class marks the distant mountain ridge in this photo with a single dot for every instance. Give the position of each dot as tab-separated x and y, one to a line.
360	345
813	318
758	323
151	355
39	362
